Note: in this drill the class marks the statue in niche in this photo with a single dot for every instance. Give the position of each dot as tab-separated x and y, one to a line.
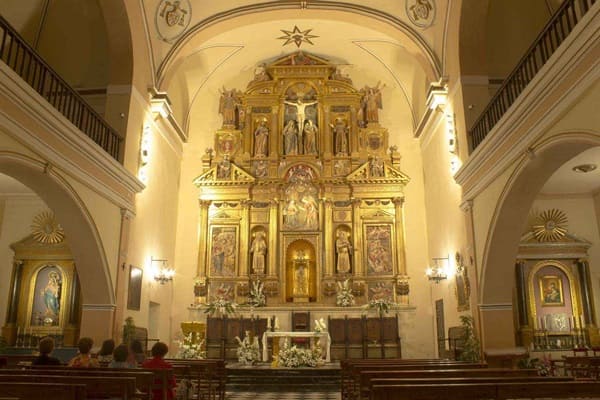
300	107
310	138
340	133
342	248
290	138
258	248
260	73
261	139
228	104
224	168
377	168
372	102
261	168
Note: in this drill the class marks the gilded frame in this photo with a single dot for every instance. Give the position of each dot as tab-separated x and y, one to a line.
223	245
65	288
551	291
379	248
134	289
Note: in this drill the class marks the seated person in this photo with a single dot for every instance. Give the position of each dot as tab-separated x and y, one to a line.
46	346
159	351
105	355
137	354
84	358
120	356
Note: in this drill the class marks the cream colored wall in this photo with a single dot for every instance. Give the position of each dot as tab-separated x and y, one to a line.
18	213
581	214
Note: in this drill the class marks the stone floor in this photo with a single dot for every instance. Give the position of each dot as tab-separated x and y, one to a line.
283	395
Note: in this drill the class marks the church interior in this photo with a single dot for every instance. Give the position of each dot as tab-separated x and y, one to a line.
386	179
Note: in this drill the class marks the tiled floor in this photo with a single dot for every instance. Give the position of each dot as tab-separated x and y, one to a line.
271	395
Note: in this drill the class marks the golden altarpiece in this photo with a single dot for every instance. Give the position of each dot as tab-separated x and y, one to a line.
44	295
553	287
301	191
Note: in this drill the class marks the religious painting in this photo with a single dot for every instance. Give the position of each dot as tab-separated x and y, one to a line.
381	291
551	290
463	286
559	322
222	290
47	295
301	208
134	293
378	249
222	250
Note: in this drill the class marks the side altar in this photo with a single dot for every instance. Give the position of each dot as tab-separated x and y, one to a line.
301	191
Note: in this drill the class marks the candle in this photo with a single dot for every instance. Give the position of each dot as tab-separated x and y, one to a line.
18	331
535	324
276	327
543	323
268	323
581	321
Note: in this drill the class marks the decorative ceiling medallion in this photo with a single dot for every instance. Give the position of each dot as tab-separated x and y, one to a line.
46	230
420	12
583	168
297	36
172	18
550	226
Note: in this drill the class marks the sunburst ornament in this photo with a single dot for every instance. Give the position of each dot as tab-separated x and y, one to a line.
297	36
550	225
46	230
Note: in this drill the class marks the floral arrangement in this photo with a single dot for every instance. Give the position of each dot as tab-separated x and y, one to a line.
257	297
189	347
383	305
293	357
320	325
344	297
543	366
472	348
248	351
221	306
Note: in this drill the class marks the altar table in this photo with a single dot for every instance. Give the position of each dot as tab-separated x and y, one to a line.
324	336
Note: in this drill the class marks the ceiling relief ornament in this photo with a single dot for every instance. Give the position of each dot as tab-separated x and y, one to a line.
172	18
297	36
550	226
420	12
45	229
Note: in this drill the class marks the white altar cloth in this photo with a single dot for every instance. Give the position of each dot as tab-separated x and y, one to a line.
278	334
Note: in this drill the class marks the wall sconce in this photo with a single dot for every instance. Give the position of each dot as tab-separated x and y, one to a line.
162	273
439	270
144	154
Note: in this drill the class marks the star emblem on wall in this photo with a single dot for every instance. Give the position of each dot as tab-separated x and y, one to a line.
297	36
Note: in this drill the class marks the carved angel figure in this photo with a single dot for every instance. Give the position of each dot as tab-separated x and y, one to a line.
228	105
372	102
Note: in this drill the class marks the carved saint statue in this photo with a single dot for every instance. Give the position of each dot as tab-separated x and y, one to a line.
290	138
224	168
258	248
310	138
261	139
377	168
300	111
372	102
51	295
340	133
228	105
343	247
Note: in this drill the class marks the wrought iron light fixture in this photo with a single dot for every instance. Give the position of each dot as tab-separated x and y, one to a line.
439	270
162	273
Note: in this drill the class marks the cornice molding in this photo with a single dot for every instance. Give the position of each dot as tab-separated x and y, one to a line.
516	129
123	186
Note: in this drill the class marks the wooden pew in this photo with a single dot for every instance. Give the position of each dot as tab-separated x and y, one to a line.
49	391
144	379
95	386
496	391
210	376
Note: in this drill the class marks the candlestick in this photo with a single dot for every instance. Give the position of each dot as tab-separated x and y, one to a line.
276	327
581	321
269	323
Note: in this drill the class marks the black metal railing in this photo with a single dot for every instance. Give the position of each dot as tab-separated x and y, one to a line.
25	61
556	30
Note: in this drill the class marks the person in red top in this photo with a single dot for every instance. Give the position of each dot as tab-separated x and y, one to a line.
159	350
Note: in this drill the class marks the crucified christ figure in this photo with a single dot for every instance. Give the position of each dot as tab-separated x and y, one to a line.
300	112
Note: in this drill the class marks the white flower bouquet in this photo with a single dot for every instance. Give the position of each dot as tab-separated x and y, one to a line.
344	297
294	357
382	306
221	306
248	351
190	348
257	297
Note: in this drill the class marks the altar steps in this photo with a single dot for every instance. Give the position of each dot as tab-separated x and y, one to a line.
263	377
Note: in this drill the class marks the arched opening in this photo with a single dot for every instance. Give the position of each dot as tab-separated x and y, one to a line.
497	280
86	247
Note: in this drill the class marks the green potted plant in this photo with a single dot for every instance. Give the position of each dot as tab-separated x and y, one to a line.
471	350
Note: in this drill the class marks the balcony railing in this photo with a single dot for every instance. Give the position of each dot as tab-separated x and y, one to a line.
24	60
553	34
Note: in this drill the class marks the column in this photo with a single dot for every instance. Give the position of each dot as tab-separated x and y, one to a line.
586	300
353	132
15	292
272	249
274	133
244	237
329	238
521	280
358	239
247	132
467	208
325	136
399	221
202	236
